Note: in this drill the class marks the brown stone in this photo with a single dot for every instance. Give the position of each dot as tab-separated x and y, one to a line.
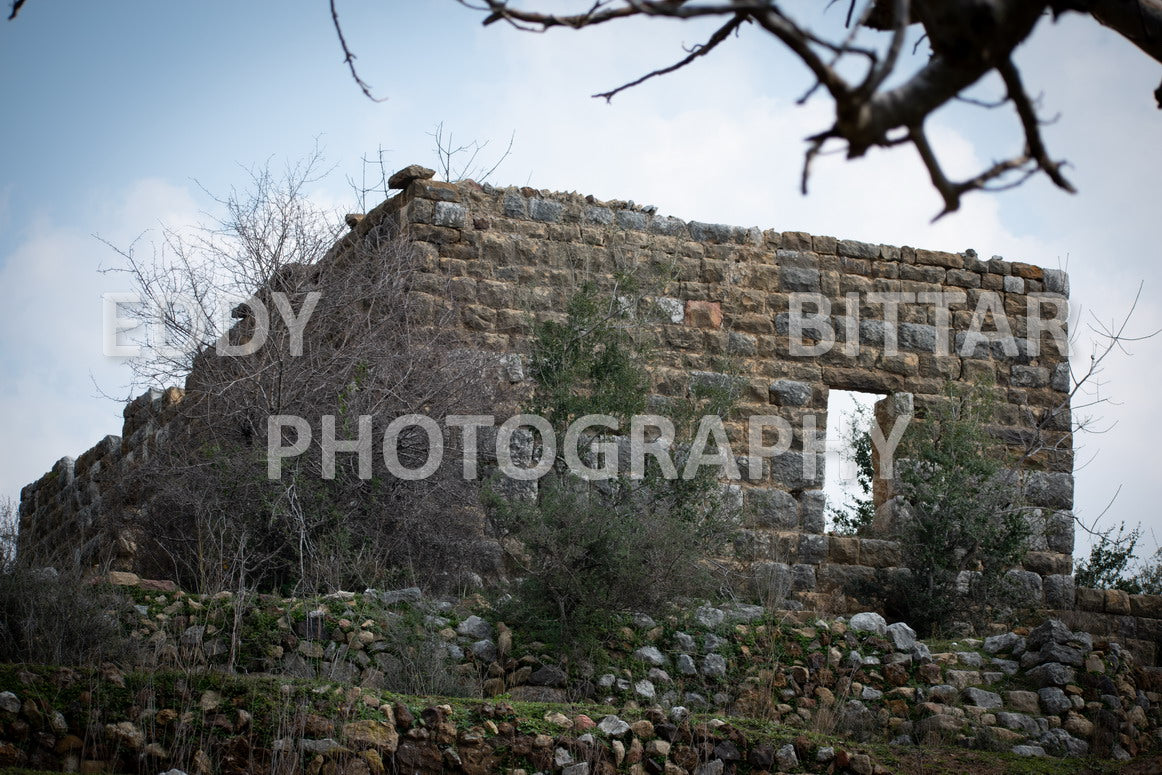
844	550
1090	599
704	314
1149	606
1117	601
403	177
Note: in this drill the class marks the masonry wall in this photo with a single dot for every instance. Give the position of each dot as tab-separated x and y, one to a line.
726	300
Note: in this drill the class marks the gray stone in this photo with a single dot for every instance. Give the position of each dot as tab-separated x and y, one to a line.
790	393
613	726
1029	750
685	641
600	215
1049	631
580	768
1029	376
673	309
798	279
709	617
740	344
484	649
392	597
854	249
1024	586
1052	674
710	232
713	666
1060	652
1006	643
474	627
969	659
902	636
1056	281
651	656
549	675
1004	666
1050	489
870	693
1059	532
644	689
631	219
1014	284
1018	722
1053	700
813	548
868	621
450	214
743	612
545	210
798	470
9	703
515	205
1059	591
803	577
711	642
916	337
982	698
1058	742
712	767
668	225
774	508
686	665
813	506
785	757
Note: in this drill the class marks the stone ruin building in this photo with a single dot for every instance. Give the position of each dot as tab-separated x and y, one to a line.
511	255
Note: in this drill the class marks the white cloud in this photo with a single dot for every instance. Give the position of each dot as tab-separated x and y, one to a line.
50	329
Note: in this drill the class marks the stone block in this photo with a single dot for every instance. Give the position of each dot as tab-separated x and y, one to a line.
703	314
1149	606
1117	601
1090	599
878	553
844	550
772	508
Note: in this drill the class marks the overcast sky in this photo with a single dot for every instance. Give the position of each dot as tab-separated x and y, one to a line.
116	112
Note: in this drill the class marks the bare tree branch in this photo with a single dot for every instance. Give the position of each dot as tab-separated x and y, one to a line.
349	58
721	34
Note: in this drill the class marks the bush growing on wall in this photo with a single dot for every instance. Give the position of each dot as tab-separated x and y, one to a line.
961	522
590	548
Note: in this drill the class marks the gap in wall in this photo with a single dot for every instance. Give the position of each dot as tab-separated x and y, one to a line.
839	475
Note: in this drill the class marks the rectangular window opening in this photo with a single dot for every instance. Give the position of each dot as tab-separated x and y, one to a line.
847	476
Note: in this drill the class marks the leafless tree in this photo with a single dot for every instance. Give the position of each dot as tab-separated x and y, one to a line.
378	342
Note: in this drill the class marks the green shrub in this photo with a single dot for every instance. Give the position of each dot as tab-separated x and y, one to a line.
587	549
963	525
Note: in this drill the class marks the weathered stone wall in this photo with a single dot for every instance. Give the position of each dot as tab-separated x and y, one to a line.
729	299
726	299
61	513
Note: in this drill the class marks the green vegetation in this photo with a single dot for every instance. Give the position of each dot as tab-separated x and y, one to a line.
588	548
961	517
